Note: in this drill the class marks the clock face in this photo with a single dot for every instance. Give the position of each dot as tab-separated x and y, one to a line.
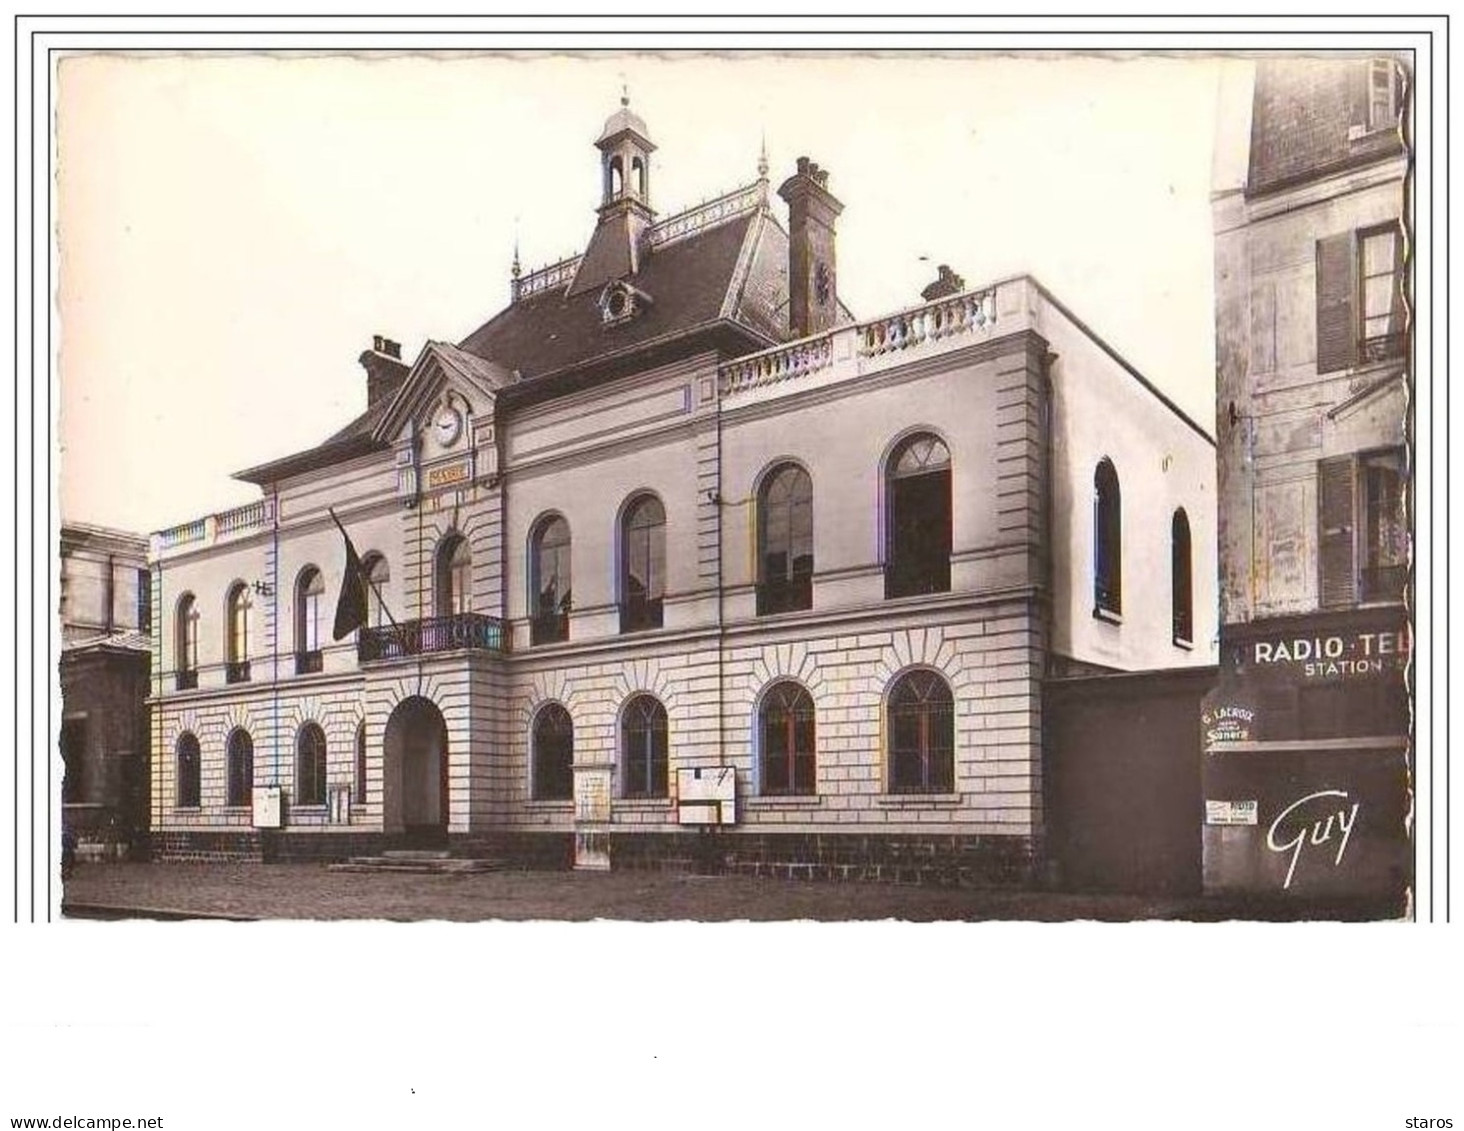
449	424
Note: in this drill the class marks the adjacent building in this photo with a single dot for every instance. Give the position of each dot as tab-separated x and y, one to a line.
106	622
675	558
1310	726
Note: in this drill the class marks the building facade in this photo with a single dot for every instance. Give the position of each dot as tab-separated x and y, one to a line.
106	622
1314	374
674	559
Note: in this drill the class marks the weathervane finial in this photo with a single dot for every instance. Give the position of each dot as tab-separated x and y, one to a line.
762	157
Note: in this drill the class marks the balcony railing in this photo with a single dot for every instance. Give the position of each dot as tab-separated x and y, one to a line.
236	671
1383	347
641	613
785	595
462	631
918	578
307	663
549	628
1384	583
187	679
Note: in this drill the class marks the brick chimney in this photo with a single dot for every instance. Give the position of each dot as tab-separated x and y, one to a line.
813	294
947	283
385	371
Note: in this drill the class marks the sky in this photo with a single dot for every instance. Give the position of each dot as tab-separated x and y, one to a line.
233	229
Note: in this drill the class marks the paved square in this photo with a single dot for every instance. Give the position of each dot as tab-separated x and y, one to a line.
310	891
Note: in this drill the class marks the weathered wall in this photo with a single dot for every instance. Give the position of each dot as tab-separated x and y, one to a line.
1283	419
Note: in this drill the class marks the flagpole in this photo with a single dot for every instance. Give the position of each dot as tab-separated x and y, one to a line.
385	608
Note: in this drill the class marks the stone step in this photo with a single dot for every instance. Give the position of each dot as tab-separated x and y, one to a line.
442	865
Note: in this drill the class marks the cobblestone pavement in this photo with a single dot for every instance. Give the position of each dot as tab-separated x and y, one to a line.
310	891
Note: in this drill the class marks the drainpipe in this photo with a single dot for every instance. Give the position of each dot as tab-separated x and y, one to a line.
274	643
721	586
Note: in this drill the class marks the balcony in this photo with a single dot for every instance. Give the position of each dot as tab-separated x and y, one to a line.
459	632
308	663
187	679
236	671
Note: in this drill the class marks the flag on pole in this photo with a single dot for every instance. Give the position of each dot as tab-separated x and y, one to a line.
351	605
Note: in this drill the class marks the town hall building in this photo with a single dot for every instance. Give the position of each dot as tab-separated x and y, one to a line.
675	560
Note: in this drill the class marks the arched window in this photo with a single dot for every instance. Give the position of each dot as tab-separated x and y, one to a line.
377	575
549	580
643	564
921	734
644	748
787	740
236	644
1107	542
189	788
918	528
185	642
309	620
553	757
638	176
453	592
1182	579
359	794
239	790
310	766
785	541
617	177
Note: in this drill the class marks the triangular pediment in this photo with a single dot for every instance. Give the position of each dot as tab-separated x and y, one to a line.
442	374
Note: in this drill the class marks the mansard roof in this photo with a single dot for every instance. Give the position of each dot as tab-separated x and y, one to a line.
729	273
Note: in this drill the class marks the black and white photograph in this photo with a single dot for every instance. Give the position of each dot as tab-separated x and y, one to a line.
597	499
696	550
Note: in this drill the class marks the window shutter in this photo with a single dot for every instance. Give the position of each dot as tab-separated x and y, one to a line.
1400	283
1335	508
1336	299
1359	75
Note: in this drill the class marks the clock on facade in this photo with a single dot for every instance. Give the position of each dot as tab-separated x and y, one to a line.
449	425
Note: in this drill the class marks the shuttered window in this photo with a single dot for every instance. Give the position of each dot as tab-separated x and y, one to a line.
1361	309
1337	555
1364	529
1383	316
1336	303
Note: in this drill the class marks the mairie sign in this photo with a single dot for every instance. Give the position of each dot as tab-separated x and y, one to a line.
444	475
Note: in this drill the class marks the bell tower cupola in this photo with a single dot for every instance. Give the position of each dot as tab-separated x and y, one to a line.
625	158
614	249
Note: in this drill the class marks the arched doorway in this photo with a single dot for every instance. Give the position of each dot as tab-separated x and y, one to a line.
415	764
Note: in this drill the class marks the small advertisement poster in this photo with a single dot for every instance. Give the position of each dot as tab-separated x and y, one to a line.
1231	812
592	795
1227	722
